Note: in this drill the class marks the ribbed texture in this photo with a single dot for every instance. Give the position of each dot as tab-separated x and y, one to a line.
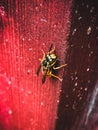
28	27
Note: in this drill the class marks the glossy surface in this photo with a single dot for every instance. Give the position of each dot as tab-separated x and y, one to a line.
82	73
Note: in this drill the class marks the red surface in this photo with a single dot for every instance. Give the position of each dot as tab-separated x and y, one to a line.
26	28
78	106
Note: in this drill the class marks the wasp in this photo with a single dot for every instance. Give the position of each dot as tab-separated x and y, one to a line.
48	63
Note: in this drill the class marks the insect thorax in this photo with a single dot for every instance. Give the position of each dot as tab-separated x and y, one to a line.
49	60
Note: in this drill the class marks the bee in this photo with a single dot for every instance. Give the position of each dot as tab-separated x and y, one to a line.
48	63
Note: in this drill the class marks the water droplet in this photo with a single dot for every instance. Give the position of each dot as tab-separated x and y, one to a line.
89	30
57	101
10	112
28	71
74	31
41	4
42	103
9	82
80	98
29	92
30	49
6	40
79	18
76	78
76	84
85	89
76	11
23	39
88	69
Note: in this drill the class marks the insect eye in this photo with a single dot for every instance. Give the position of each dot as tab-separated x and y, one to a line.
44	63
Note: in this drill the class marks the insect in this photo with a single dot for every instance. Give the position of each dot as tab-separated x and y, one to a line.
48	63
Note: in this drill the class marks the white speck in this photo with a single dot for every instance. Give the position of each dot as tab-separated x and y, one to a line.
76	11
91	9
80	98
22	102
89	30
66	105
74	31
88	81
43	44
60	90
72	77
41	4
55	25
29	92
28	71
87	6
82	46
6	40
21	57
92	52
79	95
76	84
42	103
9	82
23	39
76	78
88	69
75	72
73	107
57	101
37	9
29	39
85	89
74	89
80	18
30	49
72	45
10	112
81	88
43	20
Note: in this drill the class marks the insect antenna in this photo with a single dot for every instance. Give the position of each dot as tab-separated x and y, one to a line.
50	47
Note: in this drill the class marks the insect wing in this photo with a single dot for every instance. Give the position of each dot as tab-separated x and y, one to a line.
43	79
38	70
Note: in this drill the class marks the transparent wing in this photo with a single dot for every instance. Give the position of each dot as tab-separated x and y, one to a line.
43	79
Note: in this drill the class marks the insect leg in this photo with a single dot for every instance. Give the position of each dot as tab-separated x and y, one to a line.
56	68
55	76
52	51
43	53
